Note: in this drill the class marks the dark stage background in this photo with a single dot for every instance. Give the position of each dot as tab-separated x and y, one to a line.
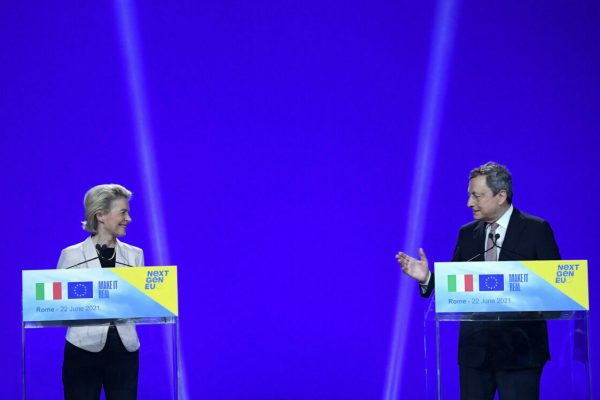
281	153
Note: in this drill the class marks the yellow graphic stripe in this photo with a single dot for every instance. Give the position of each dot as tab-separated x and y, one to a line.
158	283
575	286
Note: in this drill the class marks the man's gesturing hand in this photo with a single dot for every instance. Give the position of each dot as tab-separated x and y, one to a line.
417	269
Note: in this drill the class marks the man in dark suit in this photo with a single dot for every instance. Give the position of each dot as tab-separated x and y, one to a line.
507	356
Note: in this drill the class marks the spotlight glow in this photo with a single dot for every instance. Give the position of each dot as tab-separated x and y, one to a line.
434	93
146	156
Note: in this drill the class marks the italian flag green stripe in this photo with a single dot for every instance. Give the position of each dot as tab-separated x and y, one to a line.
452	283
39	291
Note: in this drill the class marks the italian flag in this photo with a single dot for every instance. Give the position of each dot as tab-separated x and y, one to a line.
48	291
461	283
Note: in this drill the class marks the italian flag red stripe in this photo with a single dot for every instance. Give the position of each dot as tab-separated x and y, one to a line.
468	283
56	291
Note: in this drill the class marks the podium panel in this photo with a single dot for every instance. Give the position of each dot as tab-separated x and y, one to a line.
54	300
538	297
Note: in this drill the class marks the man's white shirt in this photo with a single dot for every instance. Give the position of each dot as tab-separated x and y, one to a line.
500	230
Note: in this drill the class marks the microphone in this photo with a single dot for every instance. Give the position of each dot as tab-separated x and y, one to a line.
493	238
83	262
519	256
127	265
103	248
99	249
95	258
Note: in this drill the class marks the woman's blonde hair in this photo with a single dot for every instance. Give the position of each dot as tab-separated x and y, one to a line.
99	200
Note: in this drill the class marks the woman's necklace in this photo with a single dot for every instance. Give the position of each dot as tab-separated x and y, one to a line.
99	248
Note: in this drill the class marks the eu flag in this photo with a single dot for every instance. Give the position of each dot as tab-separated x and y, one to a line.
491	283
80	290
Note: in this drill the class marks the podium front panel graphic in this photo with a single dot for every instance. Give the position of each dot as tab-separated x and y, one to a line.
501	292
56	299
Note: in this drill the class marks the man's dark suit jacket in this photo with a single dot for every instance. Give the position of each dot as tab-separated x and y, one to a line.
506	344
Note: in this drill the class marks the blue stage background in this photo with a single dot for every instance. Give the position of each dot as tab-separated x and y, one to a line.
275	150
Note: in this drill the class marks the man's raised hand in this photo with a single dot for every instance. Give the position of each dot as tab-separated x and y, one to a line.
417	269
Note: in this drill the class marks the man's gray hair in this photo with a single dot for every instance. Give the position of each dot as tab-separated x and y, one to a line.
99	200
497	178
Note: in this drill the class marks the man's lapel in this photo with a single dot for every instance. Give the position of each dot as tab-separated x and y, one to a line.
513	236
479	240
